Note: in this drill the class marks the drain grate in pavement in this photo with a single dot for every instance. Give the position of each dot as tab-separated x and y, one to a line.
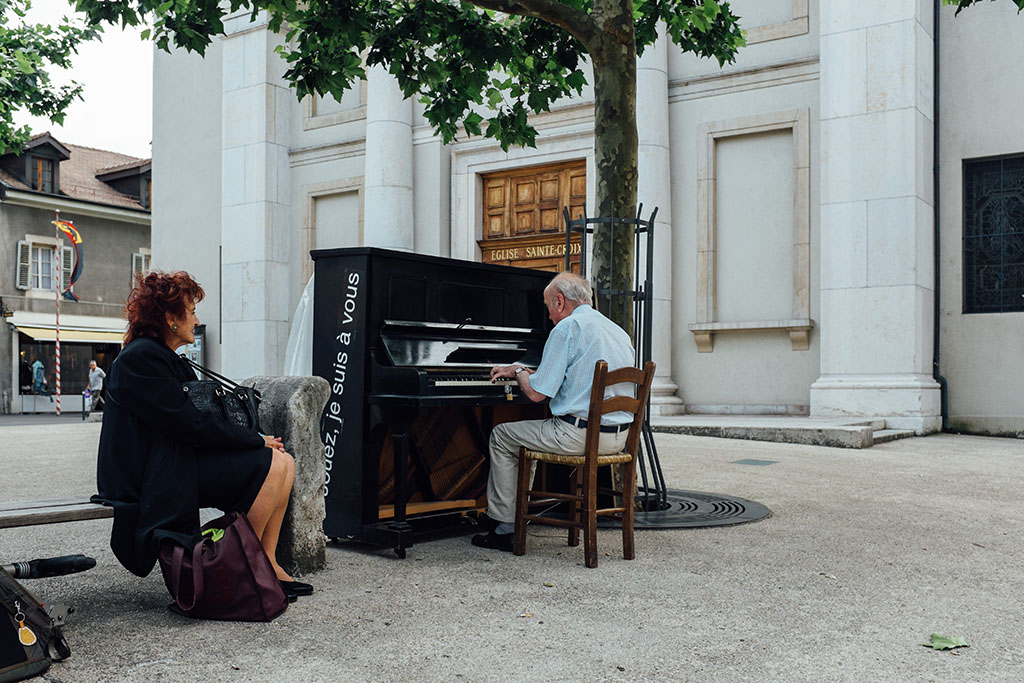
689	509
752	461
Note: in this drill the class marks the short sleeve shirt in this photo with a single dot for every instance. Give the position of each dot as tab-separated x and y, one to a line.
566	371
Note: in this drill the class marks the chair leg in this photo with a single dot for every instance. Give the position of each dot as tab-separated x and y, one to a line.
628	494
574	506
522	502
590	515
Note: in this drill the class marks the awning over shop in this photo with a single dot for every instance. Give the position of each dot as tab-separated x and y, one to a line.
82	336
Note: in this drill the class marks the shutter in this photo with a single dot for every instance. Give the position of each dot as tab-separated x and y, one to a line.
140	264
24	268
67	265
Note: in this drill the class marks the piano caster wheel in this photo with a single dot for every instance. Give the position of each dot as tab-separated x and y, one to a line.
400	552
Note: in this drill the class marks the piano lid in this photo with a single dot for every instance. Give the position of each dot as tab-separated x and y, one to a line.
448	345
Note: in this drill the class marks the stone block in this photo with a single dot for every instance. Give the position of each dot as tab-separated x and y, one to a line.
291	409
848	16
891	72
869	157
893	241
843	77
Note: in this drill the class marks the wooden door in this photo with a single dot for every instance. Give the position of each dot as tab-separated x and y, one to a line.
523	223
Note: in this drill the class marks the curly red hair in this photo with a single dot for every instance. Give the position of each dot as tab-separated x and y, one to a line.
154	295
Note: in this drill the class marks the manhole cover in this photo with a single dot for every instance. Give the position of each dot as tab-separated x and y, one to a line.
687	509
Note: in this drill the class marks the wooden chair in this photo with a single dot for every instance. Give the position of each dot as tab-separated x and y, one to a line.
582	500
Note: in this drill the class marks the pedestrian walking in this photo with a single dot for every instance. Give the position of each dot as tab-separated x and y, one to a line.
96	377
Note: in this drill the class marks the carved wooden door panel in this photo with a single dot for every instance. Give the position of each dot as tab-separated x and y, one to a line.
522	215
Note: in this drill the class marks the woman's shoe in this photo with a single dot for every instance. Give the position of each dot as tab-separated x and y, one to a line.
296	588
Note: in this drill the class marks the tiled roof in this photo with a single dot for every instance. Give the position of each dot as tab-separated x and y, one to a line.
78	176
10	181
123	167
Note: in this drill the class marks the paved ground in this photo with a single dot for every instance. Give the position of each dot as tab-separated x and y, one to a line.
867	553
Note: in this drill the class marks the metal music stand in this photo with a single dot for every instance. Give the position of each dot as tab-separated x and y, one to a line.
653	492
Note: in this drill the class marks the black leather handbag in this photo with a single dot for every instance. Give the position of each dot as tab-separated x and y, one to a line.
220	396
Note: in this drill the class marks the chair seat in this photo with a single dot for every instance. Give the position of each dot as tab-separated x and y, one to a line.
578	460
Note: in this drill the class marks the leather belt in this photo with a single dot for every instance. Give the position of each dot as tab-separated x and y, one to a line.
580	422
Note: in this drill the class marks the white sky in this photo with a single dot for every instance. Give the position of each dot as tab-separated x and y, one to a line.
116	113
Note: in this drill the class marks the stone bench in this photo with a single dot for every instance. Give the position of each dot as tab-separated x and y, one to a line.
291	409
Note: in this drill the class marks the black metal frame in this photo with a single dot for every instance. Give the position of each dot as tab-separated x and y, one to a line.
653	491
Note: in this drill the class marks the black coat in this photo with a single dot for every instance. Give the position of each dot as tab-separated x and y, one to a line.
147	467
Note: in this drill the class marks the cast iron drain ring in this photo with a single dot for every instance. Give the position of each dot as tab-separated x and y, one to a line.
689	509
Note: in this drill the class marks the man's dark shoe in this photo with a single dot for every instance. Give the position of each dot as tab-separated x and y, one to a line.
493	541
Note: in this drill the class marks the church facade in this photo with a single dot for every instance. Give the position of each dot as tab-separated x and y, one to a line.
840	227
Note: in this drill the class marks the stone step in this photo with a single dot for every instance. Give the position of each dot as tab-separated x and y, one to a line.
836	436
883	435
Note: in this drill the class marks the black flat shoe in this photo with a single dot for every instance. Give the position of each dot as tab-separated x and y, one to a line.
493	541
296	588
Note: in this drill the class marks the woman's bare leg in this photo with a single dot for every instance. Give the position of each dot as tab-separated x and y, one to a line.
273	529
267	512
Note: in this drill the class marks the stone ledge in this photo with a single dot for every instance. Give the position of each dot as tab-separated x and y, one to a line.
798	328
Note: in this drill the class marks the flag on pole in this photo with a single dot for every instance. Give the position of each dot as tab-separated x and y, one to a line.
68	228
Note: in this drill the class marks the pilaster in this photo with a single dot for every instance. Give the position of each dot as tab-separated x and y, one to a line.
255	197
877	280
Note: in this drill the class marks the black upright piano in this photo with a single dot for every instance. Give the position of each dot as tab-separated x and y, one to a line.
406	342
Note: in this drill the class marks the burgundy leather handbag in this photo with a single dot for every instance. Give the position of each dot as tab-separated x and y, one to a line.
226	575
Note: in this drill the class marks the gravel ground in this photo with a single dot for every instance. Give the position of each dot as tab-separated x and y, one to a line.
866	554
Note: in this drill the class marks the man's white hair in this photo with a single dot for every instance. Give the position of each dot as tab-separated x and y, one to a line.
572	287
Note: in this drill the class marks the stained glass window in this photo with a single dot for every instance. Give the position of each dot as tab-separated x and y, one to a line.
994	235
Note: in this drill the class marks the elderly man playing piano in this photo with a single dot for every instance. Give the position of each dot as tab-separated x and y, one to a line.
580	338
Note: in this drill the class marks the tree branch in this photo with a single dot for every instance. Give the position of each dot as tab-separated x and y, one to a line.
576	22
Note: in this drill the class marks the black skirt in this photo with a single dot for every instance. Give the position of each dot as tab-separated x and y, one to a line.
231	480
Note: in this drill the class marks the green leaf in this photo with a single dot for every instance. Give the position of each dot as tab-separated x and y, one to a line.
472	123
940	642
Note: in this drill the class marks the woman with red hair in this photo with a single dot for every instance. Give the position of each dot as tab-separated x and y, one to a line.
160	459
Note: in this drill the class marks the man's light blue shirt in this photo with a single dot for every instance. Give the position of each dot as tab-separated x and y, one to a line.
566	371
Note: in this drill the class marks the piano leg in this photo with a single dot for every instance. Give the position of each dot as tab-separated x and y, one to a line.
398	523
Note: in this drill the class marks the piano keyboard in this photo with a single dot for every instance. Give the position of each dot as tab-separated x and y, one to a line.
472	382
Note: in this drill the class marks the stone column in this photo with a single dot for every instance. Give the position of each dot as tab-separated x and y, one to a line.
387	197
654	189
255	196
877	282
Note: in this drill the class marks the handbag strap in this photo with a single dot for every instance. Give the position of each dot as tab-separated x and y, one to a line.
197	574
231	384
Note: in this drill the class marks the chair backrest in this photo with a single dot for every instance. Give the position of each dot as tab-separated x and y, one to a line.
603	378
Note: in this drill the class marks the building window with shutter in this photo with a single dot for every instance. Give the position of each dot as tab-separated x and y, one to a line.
993	236
36	269
42	267
141	263
42	174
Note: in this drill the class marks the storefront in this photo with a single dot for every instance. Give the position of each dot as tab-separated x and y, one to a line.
34	358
